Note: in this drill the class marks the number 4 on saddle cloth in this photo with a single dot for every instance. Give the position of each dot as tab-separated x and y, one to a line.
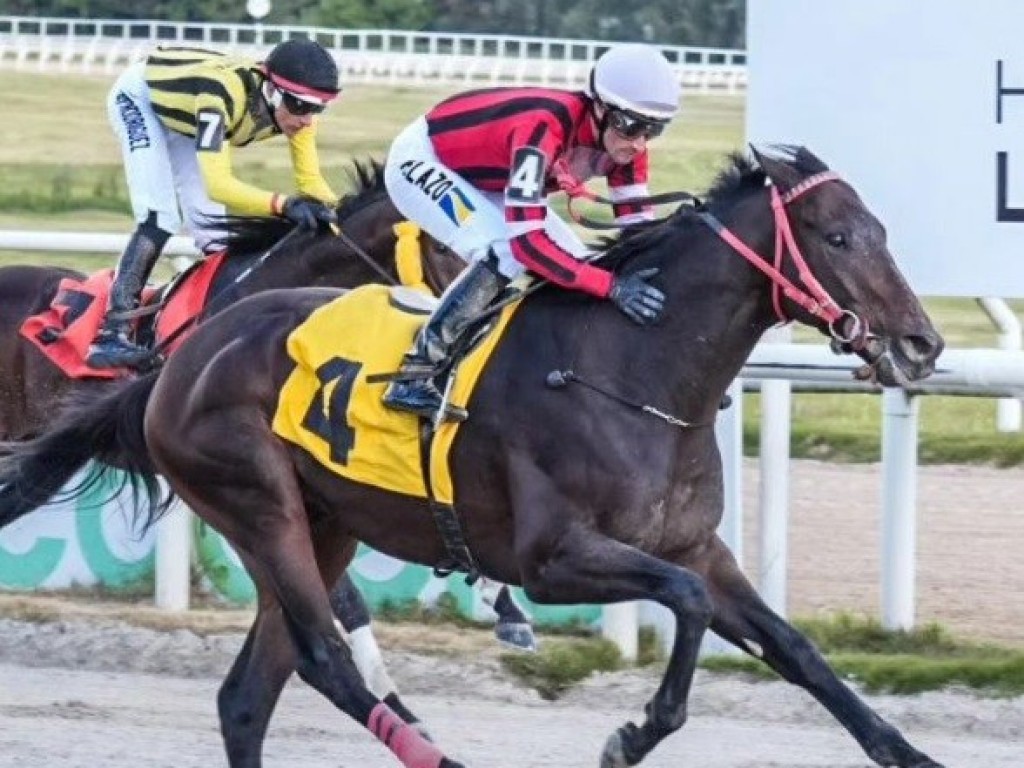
328	408
64	330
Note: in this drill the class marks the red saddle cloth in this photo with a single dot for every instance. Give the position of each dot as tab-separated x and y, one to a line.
64	331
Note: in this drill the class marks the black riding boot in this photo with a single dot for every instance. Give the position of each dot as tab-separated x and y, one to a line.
113	347
469	295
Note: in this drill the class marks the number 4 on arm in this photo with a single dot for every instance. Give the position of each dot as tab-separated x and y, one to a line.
526	179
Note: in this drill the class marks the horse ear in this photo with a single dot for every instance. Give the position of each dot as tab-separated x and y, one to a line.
810	161
781	173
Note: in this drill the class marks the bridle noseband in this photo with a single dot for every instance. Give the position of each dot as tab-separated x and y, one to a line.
812	296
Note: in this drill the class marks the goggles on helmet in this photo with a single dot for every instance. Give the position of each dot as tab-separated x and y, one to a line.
299	106
631	125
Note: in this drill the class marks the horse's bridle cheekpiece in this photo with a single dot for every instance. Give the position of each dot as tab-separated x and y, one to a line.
815	299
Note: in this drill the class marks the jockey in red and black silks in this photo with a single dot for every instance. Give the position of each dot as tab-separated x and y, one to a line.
476	171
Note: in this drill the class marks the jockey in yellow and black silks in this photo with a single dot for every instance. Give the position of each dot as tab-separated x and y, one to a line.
178	115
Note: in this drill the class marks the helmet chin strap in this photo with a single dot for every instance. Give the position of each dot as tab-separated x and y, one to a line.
602	122
272	97
271	94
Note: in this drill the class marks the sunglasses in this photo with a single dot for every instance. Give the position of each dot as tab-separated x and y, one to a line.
299	107
632	126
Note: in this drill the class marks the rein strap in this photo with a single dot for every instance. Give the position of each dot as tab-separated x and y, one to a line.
812	297
576	189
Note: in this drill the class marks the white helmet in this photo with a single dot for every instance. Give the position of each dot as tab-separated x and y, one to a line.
637	78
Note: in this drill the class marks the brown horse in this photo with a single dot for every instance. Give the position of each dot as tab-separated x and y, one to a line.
32	387
263	253
588	470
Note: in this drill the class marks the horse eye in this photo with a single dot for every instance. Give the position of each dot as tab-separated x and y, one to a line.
836	239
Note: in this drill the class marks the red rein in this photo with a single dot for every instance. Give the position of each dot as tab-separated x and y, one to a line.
812	297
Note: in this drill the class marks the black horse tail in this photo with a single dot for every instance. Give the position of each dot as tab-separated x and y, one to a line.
108	429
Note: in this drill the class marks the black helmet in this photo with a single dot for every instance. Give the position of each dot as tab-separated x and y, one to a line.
302	66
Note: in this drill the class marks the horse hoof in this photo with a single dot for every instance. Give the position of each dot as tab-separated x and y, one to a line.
517	637
614	756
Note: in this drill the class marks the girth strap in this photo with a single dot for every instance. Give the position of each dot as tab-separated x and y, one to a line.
458	558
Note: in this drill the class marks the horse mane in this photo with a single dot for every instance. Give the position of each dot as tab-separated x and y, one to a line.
740	176
244	235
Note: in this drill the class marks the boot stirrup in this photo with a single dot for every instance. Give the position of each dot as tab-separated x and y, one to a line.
405	375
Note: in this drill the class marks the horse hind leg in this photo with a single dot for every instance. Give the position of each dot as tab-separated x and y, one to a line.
742	618
325	662
274	535
513	628
353	615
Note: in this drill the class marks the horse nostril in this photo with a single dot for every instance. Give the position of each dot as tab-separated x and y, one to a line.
921	348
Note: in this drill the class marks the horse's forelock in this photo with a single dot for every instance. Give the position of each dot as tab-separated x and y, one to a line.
788	164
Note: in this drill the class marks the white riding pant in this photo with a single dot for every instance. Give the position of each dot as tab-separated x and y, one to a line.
454	212
160	165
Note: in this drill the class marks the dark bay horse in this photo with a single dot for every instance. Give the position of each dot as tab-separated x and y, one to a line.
588	470
32	387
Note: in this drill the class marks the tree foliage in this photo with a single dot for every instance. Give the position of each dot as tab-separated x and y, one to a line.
718	23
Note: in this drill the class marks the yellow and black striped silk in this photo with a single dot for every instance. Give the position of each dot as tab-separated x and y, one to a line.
184	81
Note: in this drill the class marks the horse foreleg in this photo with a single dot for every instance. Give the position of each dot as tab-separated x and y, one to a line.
742	618
354	616
585	567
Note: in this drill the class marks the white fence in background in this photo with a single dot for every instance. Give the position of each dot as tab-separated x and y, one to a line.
376	56
777	366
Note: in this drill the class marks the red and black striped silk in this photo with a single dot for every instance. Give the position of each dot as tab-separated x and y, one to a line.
477	134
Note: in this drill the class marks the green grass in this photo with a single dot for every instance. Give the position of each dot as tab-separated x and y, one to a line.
444	610
859	650
847	428
903	662
65	173
560	664
74	164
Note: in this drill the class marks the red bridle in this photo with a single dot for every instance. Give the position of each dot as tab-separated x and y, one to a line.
812	297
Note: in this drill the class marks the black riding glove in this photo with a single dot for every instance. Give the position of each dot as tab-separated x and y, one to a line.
309	214
641	303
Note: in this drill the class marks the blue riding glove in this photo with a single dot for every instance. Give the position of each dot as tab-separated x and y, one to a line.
307	213
641	303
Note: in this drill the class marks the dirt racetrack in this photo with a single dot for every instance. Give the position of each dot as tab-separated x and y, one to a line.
970	544
88	693
84	689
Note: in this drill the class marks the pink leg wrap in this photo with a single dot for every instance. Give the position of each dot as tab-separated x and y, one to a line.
401	738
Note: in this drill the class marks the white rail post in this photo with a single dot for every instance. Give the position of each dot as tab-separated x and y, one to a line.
1008	409
773	502
620	624
729	433
899	498
174	559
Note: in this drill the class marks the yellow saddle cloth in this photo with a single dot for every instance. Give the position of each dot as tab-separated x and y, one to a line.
328	408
